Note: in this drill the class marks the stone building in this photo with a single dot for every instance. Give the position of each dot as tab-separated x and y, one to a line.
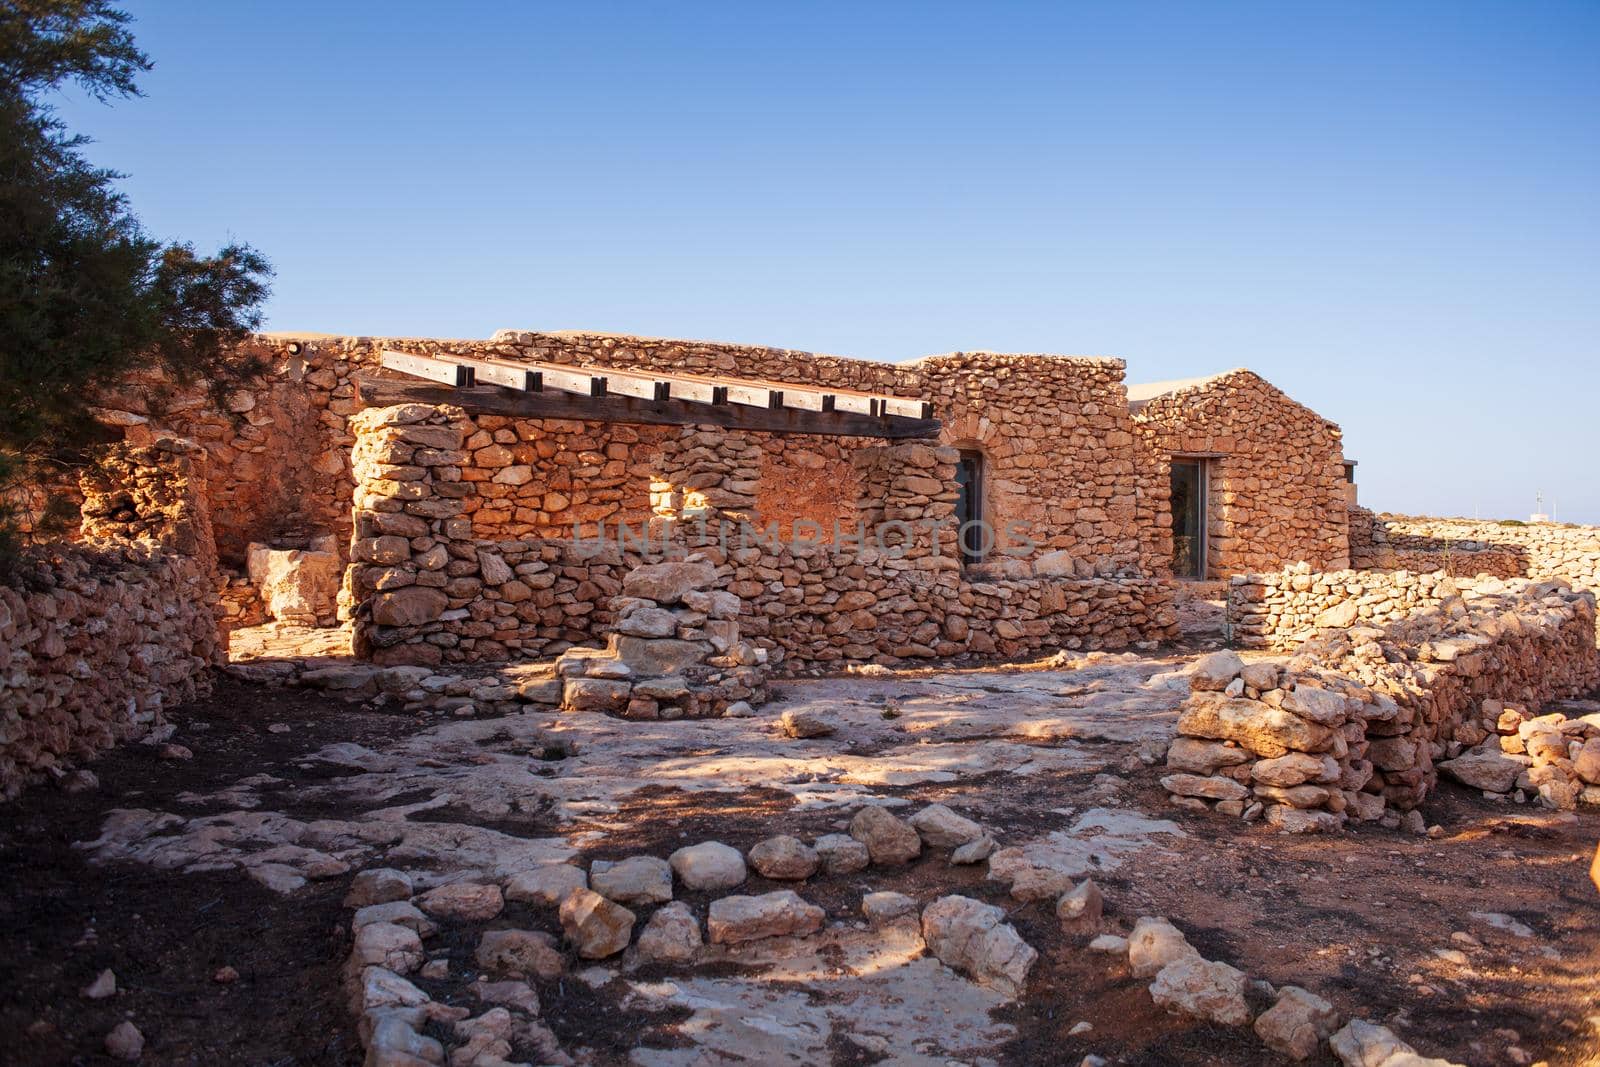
1054	492
1254	479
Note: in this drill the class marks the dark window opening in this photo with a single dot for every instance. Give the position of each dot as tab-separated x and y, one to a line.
969	506
1189	518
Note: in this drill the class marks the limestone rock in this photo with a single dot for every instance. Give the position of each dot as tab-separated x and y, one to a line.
1364	1044
1214	672
784	858
125	1042
939	827
546	885
1486	767
709	865
1203	989
970	936
842	854
1297	1024
667	583
888	839
104	985
1153	944
1264	730
412	605
1214	788
1080	906
465	901
974	851
596	926
803	723
1195	756
635	880
528	952
388	945
1290	770
750	918
883	907
399	912
671	936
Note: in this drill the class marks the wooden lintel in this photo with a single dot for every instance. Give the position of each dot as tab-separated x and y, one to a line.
492	400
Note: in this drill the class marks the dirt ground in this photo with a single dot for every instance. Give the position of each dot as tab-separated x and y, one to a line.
1374	920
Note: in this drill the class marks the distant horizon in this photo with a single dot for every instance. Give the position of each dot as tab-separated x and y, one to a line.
1387	211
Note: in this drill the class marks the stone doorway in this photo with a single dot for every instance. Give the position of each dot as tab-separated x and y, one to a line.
1190	476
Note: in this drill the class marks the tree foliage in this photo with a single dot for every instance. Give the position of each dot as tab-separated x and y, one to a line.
86	296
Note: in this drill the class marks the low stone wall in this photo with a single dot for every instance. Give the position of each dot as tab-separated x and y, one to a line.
425	587
1351	727
97	639
1281	610
1469	546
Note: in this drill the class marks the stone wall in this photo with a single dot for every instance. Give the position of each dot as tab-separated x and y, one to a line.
1283	609
426	586
1277	484
1352	726
1054	431
1469	546
98	638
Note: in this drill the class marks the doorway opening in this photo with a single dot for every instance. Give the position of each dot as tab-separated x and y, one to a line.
1189	478
969	506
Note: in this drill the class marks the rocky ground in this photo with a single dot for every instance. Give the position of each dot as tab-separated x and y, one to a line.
214	888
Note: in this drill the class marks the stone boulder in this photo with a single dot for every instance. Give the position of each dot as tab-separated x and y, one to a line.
549	884
888	839
413	605
1202	989
1486	767
596	926
528	952
746	918
709	865
1153	944
1297	1024
671	936
635	880
1213	673
1264	730
784	858
939	827
463	900
842	854
970	936
668	583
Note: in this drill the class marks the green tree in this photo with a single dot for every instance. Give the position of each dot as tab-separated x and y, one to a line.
86	296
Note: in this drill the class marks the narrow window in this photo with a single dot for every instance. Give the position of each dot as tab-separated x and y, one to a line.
969	506
1188	518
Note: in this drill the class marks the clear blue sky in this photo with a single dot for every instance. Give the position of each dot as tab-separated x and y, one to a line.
1388	209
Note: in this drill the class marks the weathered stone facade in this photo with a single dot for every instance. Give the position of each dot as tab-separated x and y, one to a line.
1276	492
97	639
425	587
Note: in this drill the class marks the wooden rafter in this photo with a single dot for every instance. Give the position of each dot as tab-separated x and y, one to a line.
608	394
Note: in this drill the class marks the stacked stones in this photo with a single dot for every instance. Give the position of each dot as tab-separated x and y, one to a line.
675	653
705	472
96	641
1282	609
1277	488
1534	550
1551	757
1352	727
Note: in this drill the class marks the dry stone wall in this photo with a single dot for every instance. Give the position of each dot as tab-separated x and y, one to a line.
1465	546
97	639
1277	486
1353	725
425	587
1283	609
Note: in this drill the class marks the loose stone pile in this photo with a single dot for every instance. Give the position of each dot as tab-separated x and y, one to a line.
1353	726
1551	757
676	650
